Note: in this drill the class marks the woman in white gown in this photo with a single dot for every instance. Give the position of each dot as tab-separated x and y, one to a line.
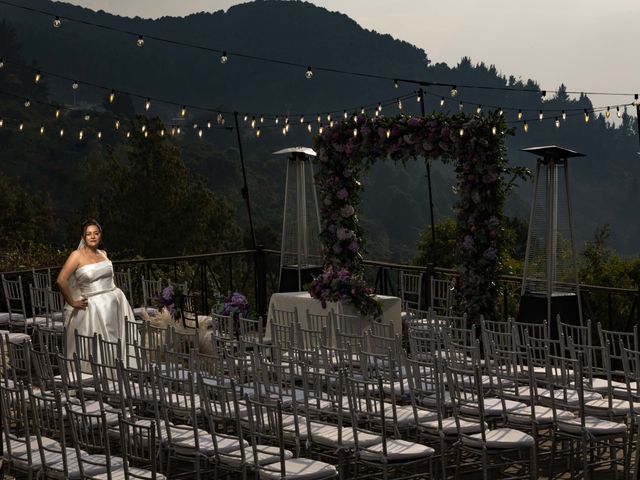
94	303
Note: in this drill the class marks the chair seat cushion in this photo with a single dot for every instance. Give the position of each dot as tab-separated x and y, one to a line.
405	415
266	454
492	406
595	426
571	396
397	451
449	426
524	393
4	317
299	469
543	415
119	474
328	436
89	470
617	408
19	447
500	438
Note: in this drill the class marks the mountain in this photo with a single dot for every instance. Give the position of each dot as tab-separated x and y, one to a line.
604	185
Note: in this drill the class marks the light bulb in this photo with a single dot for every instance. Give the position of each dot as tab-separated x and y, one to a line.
99	135
286	120
27	103
223	58
454	90
1	62
128	135
362	111
607	114
301	118
543	95
328	117
494	130
355	119
162	132
117	125
379	107
41	129
75	85
395	84
1	122
147	104
258	133
618	112
173	131
442	102
57	113
586	116
253	122
419	98
21	126
178	130
345	115
144	128
461	106
309	127
355	132
87	117
140	41
146	134
564	115
57	22
399	104
62	132
80	135
219	119
183	111
112	96
246	117
501	112
320	129
479	109
284	130
37	77
277	120
541	115
519	114
261	119
319	119
525	127
200	133
557	123
309	73
331	123
388	133
461	132
376	113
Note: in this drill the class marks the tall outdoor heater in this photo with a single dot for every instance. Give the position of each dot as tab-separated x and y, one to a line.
300	252
550	280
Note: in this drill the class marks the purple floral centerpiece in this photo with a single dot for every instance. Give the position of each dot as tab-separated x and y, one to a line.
343	286
167	300
236	304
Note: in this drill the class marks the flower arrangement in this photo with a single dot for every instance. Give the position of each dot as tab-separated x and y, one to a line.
343	286
236	303
474	143
166	301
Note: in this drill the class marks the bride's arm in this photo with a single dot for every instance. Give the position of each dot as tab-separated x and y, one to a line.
68	268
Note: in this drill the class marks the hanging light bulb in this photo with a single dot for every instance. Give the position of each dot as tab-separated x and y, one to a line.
258	133
144	128
586	116
328	117
380	107
223	58
99	135
147	104
183	111
564	115
301	118
388	133
519	114
461	132
355	132
442	102
418	98
479	109
178	130
62	132
1	122
253	122
146	134
607	114
208	124
1	62
80	135
162	132
460	106
195	126
140	41
75	85
541	115
38	76
494	130
117	124
27	103
87	117
261	119
112	96
287	127
219	119
355	118
501	112
57	113
57	22
543	95
399	104
286	120
557	123
395	84
320	129
362	111
331	123
277	120
200	133
618	112
319	119
284	130
454	90
525	127
41	129
345	115
21	126
128	134
246	117
309	73
309	127
173	131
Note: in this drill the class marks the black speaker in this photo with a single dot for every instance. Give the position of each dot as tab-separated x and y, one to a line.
289	277
533	309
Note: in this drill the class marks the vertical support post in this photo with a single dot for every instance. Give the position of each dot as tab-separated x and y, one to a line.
428	165
245	188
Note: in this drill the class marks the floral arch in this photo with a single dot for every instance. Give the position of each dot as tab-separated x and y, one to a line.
346	151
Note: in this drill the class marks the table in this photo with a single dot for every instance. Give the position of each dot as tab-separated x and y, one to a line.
391	309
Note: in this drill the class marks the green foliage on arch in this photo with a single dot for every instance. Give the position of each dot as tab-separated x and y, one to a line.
475	144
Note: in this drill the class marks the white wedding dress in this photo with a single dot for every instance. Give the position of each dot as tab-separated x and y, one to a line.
106	310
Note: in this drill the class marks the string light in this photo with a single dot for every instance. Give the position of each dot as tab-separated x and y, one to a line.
1	122
519	114
399	104
144	128
117	124
454	90
173	131
80	135
442	102
41	129
607	114
112	96
200	133
37	77
1	62
479	109
331	123
57	22
246	117
525	127
57	113
309	73
284	130
223	58
87	117
501	112
460	106
320	129
355	132
355	119
586	116
99	135
557	123
62	132
277	120
328	117
258	133
147	104
27	103
345	115
162	132
319	119
253	122
395	84
75	85
178	130
380	107
494	130
286	120
309	127
362	111
388	133
261	119
140	41
287	127
462	132
543	96
21	126
618	112
183	111
541	115
564	115
418	98
128	135
301	118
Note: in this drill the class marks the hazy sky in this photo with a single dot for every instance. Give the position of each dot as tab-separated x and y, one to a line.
590	45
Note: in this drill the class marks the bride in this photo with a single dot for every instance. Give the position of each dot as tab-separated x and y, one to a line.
95	304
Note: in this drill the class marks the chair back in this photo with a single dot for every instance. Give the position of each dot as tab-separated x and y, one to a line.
151	289
441	295
411	289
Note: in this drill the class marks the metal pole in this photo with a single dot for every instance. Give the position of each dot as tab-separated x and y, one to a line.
428	164
638	119
245	188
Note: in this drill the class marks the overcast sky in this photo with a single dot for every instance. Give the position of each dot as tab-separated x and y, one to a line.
590	45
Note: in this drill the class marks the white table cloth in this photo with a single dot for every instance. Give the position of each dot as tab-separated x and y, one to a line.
391	309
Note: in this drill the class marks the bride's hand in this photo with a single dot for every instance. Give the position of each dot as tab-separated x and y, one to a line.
80	304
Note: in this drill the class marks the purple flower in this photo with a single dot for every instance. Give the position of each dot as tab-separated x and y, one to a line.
353	246
342	194
167	294
337	249
347	211
490	253
468	243
414	122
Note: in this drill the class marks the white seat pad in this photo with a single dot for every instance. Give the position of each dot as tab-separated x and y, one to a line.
299	469
572	396
493	406
543	415
329	436
449	426
595	426
89	470
500	438
397	450
266	455
618	407
19	447
119	474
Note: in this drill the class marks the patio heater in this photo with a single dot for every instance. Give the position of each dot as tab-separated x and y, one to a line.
300	257
550	280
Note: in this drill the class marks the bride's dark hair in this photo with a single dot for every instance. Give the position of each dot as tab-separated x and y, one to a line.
87	223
